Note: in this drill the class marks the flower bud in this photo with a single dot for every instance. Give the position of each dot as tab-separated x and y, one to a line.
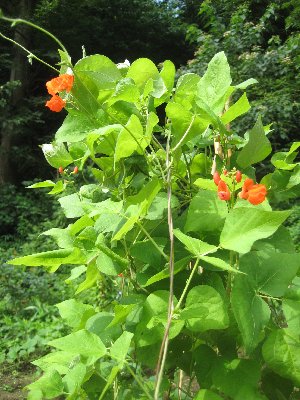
61	170
216	178
75	171
238	176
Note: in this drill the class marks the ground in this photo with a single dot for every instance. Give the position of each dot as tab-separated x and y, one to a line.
13	379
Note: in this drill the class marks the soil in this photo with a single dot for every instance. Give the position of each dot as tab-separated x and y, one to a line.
14	379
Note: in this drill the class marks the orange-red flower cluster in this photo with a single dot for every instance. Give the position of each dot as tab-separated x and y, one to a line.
56	85
223	191
254	193
56	103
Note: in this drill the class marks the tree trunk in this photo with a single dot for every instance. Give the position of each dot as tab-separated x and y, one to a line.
19	72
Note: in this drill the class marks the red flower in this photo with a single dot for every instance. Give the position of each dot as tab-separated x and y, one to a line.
238	176
61	170
216	178
62	82
254	193
223	191
56	103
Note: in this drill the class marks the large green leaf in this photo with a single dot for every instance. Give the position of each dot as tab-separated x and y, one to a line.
239	108
186	90
151	327
75	127
251	312
130	139
53	259
271	273
206	213
126	90
204	310
184	121
281	352
58	360
50	384
244	225
72	206
82	342
119	349
216	80
100	325
141	70
75	313
62	237
238	378
74	378
57	155
257	148
193	245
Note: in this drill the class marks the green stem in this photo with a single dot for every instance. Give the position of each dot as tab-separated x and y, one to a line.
15	21
138	381
187	285
153	241
28	52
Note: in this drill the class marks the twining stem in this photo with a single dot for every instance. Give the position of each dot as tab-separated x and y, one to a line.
152	241
138	381
187	285
185	134
28	52
16	21
164	345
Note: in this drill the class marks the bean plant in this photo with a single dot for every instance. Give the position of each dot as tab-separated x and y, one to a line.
199	272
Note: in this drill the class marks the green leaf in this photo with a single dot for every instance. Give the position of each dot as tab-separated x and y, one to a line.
244	225
141	70
281	352
251	312
204	310
130	139
75	313
71	206
219	263
205	358
151	327
246	83
121	313
119	349
160	205
182	121
62	237
165	273
81	342
239	108
291	309
237	378
53	259
92	276
257	148
57	155
74	378
107	266
58	360
205	394
50	384
146	195
206	212
146	252
271	273
75	127
186	90
195	246
216	80
101	325
130	218
58	188
44	184
126	90
206	184
75	273
110	380
168	74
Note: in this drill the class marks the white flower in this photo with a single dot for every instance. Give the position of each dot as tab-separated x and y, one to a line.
124	64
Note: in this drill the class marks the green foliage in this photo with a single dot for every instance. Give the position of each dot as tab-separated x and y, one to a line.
262	40
186	277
